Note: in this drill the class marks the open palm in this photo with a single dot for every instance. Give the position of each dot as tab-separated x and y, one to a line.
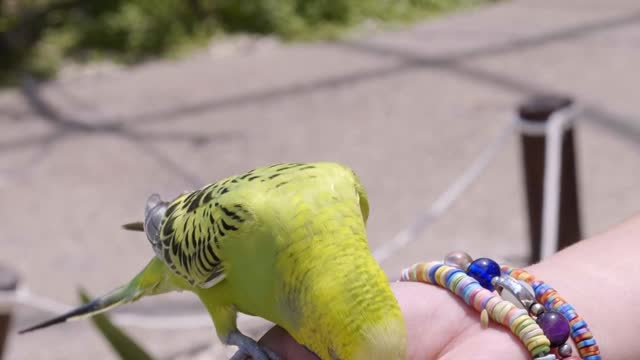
440	326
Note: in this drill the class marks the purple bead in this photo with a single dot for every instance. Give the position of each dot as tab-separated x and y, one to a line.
555	326
484	270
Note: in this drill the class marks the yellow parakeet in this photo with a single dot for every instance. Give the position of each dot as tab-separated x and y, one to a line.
285	242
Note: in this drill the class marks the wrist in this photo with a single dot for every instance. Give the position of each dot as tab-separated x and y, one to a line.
440	325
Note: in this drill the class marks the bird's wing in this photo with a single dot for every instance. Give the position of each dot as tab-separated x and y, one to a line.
194	227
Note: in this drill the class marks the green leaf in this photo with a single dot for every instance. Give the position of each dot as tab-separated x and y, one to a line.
117	338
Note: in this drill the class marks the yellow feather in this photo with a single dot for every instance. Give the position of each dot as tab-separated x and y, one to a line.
305	264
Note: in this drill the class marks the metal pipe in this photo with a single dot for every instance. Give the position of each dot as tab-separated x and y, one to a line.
538	110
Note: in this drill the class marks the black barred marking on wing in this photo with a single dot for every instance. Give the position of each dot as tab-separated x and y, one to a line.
231	214
167	256
207	198
195	225
218	230
194	253
227	227
209	250
195	202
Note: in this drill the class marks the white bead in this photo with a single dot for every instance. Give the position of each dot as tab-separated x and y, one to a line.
458	259
546	357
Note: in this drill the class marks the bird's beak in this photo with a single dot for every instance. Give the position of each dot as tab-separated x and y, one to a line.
134	226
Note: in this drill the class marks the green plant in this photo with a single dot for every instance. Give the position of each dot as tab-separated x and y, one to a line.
121	343
38	36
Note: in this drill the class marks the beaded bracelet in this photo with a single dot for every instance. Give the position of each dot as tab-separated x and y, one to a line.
475	281
548	296
470	290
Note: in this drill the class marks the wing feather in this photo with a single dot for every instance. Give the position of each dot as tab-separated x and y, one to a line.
196	225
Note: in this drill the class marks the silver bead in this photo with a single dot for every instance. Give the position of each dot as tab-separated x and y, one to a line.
514	291
495	281
508	295
527	286
565	350
458	259
536	309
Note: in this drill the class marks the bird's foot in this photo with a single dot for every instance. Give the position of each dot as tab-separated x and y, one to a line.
249	347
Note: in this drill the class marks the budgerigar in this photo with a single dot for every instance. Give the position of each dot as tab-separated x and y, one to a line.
285	242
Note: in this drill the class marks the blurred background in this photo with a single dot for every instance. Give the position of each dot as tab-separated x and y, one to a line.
105	102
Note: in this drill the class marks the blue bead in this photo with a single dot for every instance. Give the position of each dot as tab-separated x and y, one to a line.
585	343
432	273
570	315
466	294
541	288
484	270
579	325
450	276
565	308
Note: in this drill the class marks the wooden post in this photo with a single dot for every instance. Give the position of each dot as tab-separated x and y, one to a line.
8	285
539	109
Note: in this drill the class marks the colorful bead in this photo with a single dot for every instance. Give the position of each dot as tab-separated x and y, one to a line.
432	273
552	301
484	318
555	326
484	301
483	270
546	357
585	343
529	331
458	259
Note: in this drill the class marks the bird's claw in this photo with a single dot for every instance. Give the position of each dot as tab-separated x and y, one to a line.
263	354
249	348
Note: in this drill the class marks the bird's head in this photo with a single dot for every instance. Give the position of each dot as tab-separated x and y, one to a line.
153	215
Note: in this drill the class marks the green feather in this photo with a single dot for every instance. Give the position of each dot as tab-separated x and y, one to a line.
121	343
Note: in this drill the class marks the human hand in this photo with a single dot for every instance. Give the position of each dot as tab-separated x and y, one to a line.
439	325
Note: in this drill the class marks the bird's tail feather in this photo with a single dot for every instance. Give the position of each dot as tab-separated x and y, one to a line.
94	307
147	282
